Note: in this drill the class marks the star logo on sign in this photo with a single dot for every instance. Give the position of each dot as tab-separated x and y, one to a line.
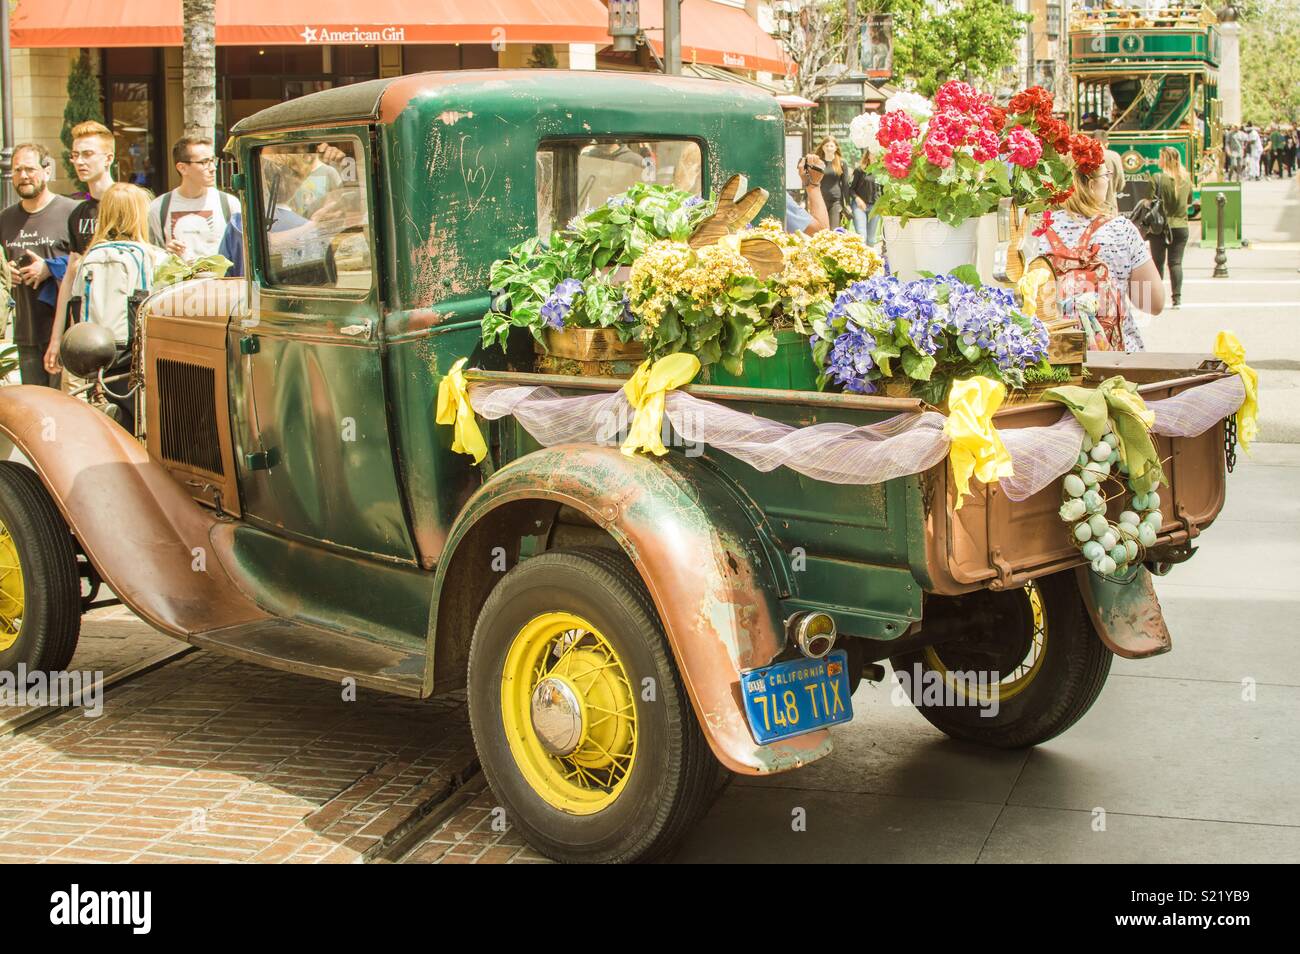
308	35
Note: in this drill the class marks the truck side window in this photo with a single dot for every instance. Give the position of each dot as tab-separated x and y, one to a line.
314	215
580	174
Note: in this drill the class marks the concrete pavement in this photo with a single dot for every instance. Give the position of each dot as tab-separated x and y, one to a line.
1190	757
1259	300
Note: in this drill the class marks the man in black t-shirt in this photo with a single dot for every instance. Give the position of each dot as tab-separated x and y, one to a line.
34	235
92	158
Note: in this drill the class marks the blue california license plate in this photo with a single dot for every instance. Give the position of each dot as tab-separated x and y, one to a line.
797	696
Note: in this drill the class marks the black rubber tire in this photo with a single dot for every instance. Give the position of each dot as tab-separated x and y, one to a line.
675	776
51	585
1074	669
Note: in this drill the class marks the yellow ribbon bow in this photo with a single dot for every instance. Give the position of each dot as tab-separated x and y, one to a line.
646	391
976	448
1228	349
454	408
1031	282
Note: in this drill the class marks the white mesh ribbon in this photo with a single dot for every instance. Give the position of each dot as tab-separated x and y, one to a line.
836	453
1040	455
1196	410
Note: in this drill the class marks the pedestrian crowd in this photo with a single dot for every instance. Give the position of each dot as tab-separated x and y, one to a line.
1251	153
70	258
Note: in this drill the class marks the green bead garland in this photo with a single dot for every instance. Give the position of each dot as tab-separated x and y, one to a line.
1111	547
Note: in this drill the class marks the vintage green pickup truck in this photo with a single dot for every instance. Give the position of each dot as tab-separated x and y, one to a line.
289	499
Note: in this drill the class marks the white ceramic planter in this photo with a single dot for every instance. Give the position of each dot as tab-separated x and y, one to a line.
928	245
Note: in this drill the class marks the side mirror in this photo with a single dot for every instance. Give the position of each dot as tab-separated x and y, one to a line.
87	349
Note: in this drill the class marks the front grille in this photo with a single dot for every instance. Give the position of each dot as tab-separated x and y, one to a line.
187	415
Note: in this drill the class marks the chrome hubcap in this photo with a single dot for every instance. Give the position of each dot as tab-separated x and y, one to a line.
557	716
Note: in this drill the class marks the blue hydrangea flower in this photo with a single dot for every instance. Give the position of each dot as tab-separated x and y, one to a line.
618	201
849	361
692	202
560	302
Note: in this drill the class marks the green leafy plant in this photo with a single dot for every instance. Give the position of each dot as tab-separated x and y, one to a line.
566	282
175	269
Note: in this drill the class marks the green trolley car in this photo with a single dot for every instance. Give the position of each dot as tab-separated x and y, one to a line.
1150	80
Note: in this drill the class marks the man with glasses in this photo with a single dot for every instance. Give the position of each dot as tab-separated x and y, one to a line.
34	235
190	220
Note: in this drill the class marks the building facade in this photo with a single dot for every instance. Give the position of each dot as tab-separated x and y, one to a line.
269	51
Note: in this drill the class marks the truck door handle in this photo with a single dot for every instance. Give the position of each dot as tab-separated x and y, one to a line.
355	331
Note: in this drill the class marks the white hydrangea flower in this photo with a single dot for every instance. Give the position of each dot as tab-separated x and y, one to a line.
862	132
914	103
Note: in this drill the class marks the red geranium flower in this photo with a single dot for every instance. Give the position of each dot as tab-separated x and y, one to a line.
938	150
1056	198
986	145
1023	148
896	126
1087	153
960	96
1033	100
997	118
898	159
1047	224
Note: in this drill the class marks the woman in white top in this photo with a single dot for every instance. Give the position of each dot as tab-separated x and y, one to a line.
1122	247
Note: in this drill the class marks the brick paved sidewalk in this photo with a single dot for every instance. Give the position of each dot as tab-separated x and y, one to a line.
210	759
472	835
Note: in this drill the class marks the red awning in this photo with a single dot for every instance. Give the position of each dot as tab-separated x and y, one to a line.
91	23
718	35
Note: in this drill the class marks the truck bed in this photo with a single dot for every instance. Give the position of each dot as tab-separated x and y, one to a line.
905	531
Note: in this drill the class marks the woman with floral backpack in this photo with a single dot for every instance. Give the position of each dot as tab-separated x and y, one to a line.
1102	263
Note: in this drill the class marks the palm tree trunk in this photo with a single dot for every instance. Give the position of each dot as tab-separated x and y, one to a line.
199	60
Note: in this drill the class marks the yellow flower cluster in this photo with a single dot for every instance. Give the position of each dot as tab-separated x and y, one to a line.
658	277
670	270
805	279
771	228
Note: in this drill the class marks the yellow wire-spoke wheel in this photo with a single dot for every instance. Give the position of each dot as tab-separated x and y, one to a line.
569	713
1016	669
11	590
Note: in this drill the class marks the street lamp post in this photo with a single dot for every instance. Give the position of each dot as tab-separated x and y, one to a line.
1220	250
7	108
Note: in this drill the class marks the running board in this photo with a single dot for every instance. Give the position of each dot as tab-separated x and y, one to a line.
324	654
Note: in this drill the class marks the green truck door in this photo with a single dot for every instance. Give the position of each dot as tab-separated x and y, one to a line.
307	398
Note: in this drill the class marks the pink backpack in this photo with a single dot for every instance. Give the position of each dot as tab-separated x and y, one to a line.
1084	289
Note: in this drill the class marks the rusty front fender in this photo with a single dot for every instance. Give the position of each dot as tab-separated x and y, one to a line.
141	530
714	578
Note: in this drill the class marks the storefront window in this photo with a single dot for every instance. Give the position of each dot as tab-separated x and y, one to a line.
252	78
131	104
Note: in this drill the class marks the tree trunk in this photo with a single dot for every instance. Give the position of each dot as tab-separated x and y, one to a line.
199	55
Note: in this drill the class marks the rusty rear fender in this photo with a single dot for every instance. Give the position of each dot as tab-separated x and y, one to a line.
709	568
